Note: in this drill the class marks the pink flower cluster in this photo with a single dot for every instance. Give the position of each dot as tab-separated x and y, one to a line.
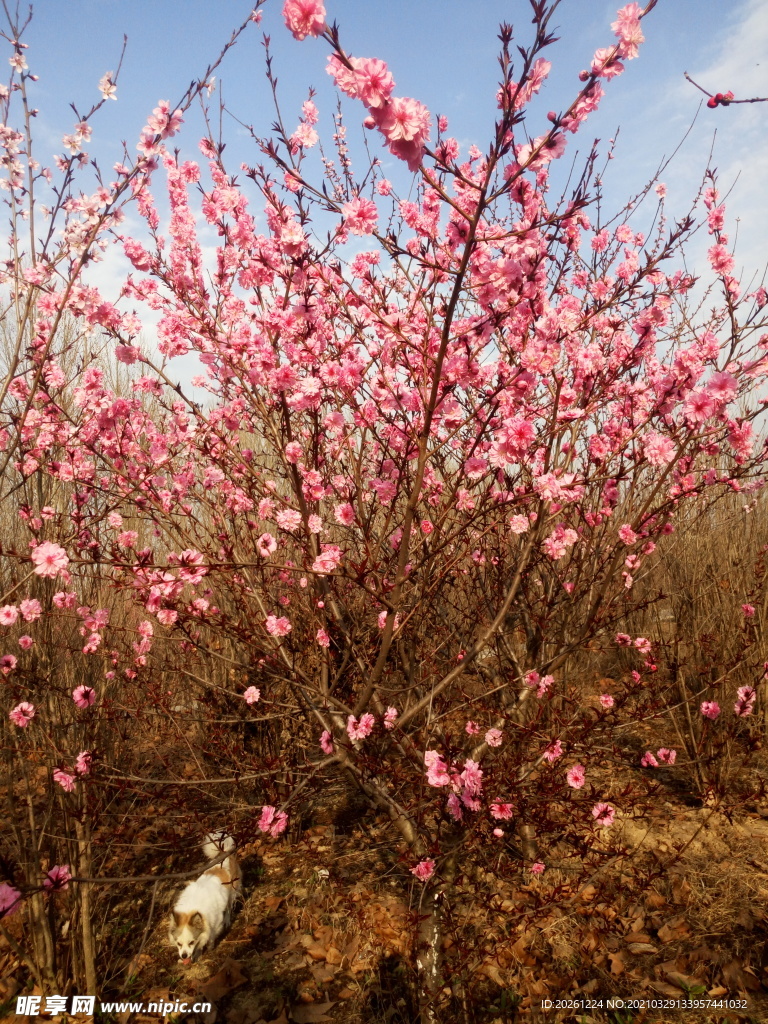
362	729
663	756
404	122
272	822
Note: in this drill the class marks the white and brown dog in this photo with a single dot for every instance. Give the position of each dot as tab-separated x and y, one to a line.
204	909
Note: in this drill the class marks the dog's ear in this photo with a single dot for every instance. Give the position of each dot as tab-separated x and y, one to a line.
196	921
176	917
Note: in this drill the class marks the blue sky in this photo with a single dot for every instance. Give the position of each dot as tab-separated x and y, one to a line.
443	53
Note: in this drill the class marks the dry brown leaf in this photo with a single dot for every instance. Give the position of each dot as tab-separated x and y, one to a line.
665	989
684	981
675	928
490	970
638	948
310	1013
617	963
655	900
737	978
316	951
230	977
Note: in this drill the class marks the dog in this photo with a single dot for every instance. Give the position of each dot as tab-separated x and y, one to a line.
203	910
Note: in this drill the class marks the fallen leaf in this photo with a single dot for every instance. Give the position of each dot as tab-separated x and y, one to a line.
316	951
736	977
685	981
638	948
665	989
617	963
310	1013
226	980
675	928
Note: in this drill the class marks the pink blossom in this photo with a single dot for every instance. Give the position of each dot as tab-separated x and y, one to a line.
471	728
710	709
288	519
603	814
8	663
437	769
627	28
326	743
424	869
648	760
360	216
519	524
627	534
25	642
84	696
167	616
553	751
390	716
472	778
745	701
698	407
405	124
65	779
658	450
272	821
57	879
607	700
374	82
502	812
605	63
666	756
475	467
537	868
315	524
494	737
720	259
278	626
327	561
344	514
10	900
107	87
323	638
748	610
360	730
382	619
83	762
266	544
9	613
49	559
722	387
576	776
252	695
22	714
455	807
544	685
304	17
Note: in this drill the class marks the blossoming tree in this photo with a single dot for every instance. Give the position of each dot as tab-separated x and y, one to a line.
442	440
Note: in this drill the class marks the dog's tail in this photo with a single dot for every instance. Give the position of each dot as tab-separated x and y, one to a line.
217	843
